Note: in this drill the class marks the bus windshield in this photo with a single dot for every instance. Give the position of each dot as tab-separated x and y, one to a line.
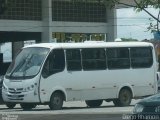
27	63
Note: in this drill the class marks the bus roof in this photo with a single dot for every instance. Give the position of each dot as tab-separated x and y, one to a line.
90	45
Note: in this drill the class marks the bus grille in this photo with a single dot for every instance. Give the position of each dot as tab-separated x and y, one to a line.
15	94
15	91
15	97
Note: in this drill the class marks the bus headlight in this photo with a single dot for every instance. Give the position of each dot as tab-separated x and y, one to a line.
138	108
30	88
4	87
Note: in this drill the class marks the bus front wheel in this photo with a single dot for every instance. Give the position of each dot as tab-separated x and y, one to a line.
27	106
94	103
124	99
10	105
56	101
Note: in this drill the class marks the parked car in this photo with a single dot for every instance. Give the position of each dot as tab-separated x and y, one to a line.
9	105
147	108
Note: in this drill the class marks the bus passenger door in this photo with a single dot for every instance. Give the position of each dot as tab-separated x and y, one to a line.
51	74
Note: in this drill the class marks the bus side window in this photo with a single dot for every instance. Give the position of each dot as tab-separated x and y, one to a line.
93	59
55	63
73	57
118	58
141	57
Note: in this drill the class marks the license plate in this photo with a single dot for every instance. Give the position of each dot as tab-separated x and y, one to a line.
14	96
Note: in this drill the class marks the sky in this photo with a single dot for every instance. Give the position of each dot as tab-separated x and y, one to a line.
132	24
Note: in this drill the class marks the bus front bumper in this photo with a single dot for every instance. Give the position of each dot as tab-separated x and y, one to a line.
23	97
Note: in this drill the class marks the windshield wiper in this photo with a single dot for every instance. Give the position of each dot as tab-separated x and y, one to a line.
26	65
20	65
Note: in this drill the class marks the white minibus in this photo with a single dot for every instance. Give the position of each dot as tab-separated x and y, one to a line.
51	73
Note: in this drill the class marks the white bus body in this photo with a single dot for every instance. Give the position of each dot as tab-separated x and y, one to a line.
50	73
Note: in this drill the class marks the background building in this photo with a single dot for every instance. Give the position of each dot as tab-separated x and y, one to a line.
56	21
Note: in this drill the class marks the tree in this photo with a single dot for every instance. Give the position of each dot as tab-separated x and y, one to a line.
140	5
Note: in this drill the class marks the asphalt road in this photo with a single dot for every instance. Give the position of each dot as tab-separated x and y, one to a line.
62	117
70	111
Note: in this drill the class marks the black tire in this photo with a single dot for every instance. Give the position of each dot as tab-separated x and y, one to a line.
56	101
94	103
10	105
124	99
107	100
116	102
27	106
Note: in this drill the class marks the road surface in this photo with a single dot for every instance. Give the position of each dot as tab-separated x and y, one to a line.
70	111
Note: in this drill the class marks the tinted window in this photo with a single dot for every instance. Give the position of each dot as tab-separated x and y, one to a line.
54	63
93	59
73	58
141	57
118	58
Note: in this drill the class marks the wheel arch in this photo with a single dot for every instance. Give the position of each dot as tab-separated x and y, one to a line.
61	92
126	87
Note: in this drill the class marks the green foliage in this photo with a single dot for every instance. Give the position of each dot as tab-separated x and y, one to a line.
141	5
110	3
152	26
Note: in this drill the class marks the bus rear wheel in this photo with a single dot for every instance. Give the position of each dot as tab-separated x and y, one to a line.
27	106
124	99
56	101
94	103
10	105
